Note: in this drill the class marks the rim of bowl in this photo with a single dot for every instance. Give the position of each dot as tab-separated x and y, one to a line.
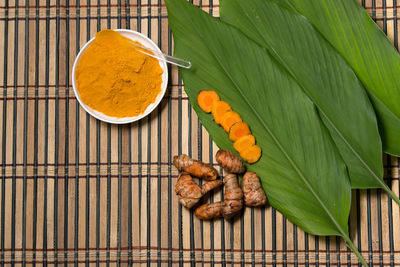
114	120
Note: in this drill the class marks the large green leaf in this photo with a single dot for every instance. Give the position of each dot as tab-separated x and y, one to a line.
300	169
323	74
348	27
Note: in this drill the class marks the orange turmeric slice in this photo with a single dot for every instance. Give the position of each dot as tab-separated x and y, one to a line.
205	100
251	154
244	142
229	119
218	109
238	130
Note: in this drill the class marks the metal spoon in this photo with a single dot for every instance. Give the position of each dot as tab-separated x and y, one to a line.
161	56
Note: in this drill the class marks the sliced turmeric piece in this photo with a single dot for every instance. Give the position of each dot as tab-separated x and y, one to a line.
229	119
244	142
218	110
239	130
206	99
251	154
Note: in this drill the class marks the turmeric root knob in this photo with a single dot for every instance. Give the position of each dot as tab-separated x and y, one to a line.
209	211
205	100
233	197
230	207
195	168
189	192
211	185
229	161
254	195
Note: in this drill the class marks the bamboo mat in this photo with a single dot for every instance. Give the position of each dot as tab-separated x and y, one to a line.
77	191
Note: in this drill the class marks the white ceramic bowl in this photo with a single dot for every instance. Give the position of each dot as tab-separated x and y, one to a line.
144	40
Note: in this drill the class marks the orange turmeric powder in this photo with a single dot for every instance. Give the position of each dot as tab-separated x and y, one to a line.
114	78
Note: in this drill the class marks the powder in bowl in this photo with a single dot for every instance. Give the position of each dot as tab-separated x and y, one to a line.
116	79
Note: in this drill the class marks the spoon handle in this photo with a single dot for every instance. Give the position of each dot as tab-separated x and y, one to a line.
161	56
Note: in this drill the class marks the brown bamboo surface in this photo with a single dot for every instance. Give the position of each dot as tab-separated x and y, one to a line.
76	191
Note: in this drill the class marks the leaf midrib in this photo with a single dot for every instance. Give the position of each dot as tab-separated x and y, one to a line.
294	165
289	70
